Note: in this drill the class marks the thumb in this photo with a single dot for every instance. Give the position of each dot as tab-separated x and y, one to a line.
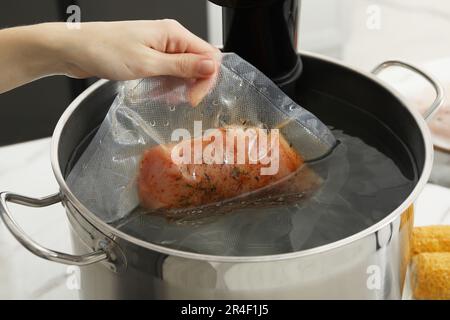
186	65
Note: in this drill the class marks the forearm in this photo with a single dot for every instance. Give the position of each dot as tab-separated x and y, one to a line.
28	53
124	50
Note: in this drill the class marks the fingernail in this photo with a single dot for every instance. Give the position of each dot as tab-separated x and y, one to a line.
205	67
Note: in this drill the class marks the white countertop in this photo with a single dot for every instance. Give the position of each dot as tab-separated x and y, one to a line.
25	168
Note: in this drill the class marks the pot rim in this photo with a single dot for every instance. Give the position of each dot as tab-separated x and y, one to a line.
111	231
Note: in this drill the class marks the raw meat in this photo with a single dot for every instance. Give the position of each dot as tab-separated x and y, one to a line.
165	183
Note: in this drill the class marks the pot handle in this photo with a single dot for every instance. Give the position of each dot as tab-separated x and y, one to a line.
438	101
30	244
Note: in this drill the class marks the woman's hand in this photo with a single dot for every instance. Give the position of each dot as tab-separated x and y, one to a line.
136	49
111	50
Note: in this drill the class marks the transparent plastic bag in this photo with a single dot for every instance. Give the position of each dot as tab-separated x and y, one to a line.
146	112
271	223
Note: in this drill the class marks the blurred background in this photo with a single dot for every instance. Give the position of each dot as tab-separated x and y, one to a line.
365	32
360	32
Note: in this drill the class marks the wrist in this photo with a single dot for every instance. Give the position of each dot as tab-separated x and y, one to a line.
46	44
29	53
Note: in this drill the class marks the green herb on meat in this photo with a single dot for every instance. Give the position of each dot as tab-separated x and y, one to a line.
235	173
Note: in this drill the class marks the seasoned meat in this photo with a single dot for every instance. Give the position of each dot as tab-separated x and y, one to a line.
165	183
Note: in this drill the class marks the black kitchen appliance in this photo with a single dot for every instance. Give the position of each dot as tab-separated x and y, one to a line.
264	32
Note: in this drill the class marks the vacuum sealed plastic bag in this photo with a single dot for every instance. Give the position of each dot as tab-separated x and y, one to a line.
130	160
273	221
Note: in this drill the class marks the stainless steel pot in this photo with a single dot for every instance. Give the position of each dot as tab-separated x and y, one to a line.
368	265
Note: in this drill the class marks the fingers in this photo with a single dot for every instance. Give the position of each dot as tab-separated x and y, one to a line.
204	68
185	65
181	40
201	87
199	90
198	45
